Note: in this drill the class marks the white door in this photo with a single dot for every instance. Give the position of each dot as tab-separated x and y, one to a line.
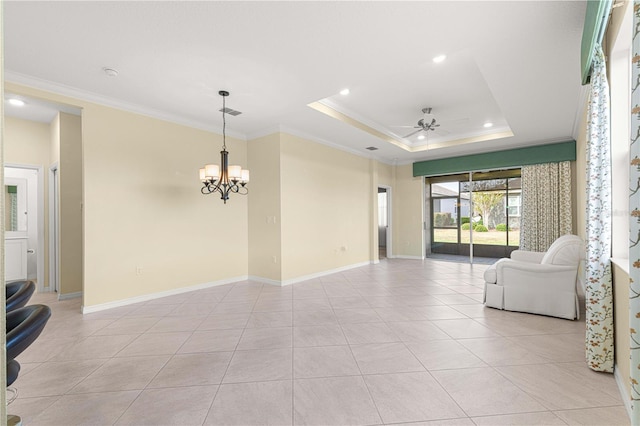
24	218
16	228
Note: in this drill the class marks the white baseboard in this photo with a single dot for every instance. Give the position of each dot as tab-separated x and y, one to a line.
308	277
264	280
400	256
622	387
147	297
68	296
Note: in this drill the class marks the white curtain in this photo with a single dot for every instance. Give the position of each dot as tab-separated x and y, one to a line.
546	204
599	291
634	220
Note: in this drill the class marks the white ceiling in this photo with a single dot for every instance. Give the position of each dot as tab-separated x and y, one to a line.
512	63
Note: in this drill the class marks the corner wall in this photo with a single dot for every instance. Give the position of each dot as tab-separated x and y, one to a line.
27	143
265	218
326	216
70	197
408	214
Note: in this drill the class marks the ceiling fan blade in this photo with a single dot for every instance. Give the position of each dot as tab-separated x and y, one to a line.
412	133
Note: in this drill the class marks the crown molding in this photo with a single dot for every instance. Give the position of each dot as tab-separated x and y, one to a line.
304	135
83	95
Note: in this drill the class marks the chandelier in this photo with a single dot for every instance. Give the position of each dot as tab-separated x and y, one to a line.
224	179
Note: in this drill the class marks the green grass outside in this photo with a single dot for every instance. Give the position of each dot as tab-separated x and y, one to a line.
491	237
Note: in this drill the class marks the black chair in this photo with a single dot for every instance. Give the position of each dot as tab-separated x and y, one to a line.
18	294
24	325
13	368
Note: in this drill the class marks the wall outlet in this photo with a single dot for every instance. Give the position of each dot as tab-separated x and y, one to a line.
275	259
138	270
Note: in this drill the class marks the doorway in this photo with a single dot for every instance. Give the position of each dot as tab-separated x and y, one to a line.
54	229
24	223
384	222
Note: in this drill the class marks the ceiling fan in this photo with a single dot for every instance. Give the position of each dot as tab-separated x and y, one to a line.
426	123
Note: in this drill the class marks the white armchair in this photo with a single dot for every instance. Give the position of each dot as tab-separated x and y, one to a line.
539	283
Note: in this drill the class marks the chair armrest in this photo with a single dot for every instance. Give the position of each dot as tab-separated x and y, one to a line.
491	273
527	256
515	273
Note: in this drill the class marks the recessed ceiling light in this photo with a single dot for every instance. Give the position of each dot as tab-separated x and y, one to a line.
16	102
110	72
344	92
487	125
421	137
439	58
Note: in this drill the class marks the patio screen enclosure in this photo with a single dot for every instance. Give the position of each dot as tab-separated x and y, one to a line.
476	213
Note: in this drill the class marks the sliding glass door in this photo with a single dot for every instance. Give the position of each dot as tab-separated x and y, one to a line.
476	213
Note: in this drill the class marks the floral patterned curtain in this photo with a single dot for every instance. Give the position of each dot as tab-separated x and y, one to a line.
599	291
546	204
634	223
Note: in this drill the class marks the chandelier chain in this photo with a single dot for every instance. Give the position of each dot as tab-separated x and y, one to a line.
224	123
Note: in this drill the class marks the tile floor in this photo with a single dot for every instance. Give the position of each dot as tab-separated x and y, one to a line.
403	341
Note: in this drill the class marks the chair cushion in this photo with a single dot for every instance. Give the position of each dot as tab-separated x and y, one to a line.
567	250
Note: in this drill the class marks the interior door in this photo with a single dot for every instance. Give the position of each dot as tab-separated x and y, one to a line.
16	228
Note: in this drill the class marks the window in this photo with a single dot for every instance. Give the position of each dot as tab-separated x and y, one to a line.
619	79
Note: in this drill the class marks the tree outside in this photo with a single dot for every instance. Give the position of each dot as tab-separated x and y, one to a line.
484	203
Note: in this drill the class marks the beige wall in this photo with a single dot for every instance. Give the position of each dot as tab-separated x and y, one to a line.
407	213
312	208
147	227
385	174
326	196
28	143
265	254
70	198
